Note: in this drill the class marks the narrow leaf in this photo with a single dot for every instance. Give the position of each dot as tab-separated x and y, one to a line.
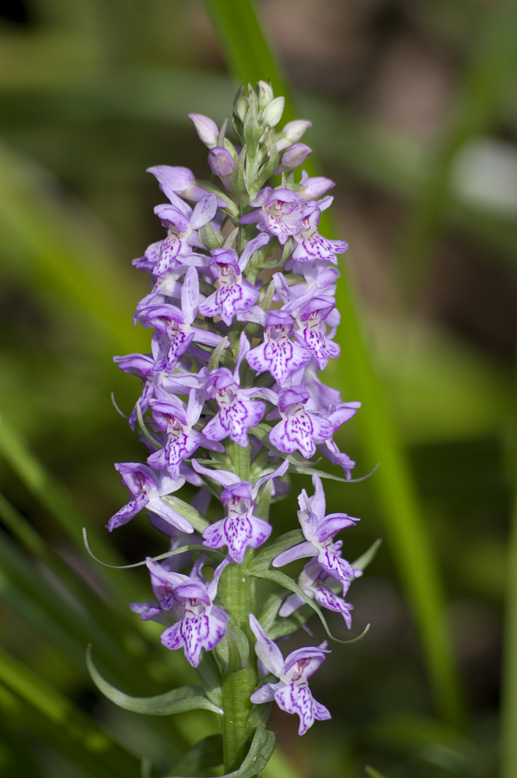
281	578
365	559
265	557
261	748
176	701
188	511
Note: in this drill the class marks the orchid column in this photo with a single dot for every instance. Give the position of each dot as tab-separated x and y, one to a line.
242	313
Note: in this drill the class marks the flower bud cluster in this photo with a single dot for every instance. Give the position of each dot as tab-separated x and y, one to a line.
243	315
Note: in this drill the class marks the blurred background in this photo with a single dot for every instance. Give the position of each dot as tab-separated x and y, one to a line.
415	118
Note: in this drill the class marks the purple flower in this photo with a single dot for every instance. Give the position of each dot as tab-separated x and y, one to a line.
146	368
277	353
337	457
300	429
202	624
221	163
312	319
147	489
178	181
177	421
233	294
321	396
241	529
281	212
312	580
291	692
176	323
312	246
319	280
163	589
182	224
237	411
319	531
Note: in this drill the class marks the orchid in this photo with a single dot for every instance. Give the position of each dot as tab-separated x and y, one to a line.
291	692
231	403
319	531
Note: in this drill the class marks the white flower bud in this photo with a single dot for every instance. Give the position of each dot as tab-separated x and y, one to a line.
292	132
272	113
265	94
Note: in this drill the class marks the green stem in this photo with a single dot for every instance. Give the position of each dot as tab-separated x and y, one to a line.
237	592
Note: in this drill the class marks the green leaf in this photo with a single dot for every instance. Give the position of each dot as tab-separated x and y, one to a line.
195	547
285	626
185	698
210	677
281	578
365	559
271	606
264	501
305	470
216	354
197	520
265	557
261	748
205	754
233	651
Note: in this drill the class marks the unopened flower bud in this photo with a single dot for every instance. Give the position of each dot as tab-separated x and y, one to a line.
272	113
291	133
206	129
293	157
220	161
240	104
265	94
312	188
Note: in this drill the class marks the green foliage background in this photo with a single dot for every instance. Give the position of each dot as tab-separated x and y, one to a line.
92	93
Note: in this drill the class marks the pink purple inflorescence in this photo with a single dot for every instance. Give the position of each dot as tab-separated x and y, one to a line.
243	315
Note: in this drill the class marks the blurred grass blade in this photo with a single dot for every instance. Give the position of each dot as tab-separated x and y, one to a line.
407	534
509	672
239	30
72	732
46	243
488	79
245	47
59	619
61	506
